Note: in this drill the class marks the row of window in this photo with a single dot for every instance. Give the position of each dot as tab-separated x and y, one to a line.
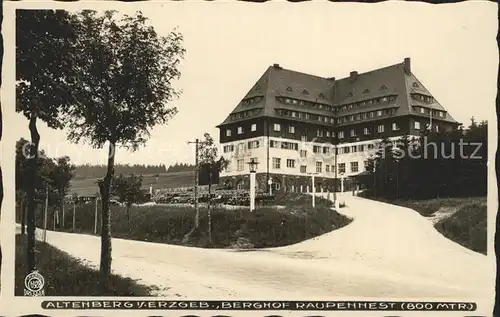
305	92
365	115
366	91
306	116
373	101
323	133
434	127
428	111
290	163
304	103
244	114
317	149
367	131
420	97
250	101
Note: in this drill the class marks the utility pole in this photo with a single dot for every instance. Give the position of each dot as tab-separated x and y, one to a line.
335	200
74	214
196	219
45	215
269	182
95	215
63	216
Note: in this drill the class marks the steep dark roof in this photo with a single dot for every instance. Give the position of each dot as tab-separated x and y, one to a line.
415	86
395	80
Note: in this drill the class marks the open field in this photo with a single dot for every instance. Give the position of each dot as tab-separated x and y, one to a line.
68	276
85	187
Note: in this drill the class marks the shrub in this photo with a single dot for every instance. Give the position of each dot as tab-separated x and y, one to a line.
266	227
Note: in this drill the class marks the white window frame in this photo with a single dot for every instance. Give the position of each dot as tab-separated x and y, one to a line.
380	128
341	170
341	135
240	165
240	130
228	132
319	167
276	163
416	125
253	127
366	131
277	127
290	163
395	126
352	164
291	129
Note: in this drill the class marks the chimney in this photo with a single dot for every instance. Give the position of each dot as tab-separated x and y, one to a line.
277	66
407	65
331	78
353	75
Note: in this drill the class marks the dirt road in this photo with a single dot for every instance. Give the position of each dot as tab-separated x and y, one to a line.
387	251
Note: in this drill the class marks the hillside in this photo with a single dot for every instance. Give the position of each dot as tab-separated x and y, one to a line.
85	187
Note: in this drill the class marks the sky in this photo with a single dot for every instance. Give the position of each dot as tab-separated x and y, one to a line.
229	45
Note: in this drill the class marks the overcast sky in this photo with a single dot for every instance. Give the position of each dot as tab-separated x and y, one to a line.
230	45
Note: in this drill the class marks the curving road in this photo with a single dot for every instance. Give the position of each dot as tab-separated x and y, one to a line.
387	251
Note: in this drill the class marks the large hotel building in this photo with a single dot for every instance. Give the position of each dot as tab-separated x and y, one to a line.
291	123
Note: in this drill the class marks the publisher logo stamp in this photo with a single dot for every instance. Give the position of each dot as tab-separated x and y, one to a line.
33	284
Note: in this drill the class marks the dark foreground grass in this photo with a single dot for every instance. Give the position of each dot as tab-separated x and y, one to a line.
266	227
468	227
66	276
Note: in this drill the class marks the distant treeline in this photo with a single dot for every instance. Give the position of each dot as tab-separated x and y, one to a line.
96	171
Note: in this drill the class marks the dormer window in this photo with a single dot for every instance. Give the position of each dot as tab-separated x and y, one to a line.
289	89
322	96
349	94
415	85
305	92
383	87
257	88
366	91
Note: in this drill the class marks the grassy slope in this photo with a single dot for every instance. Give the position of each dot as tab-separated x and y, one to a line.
66	276
267	227
165	180
468	227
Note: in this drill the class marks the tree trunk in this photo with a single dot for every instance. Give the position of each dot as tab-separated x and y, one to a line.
208	206
104	188
23	217
128	217
74	216
30	193
63	217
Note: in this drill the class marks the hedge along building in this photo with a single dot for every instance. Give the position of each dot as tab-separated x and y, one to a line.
292	123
